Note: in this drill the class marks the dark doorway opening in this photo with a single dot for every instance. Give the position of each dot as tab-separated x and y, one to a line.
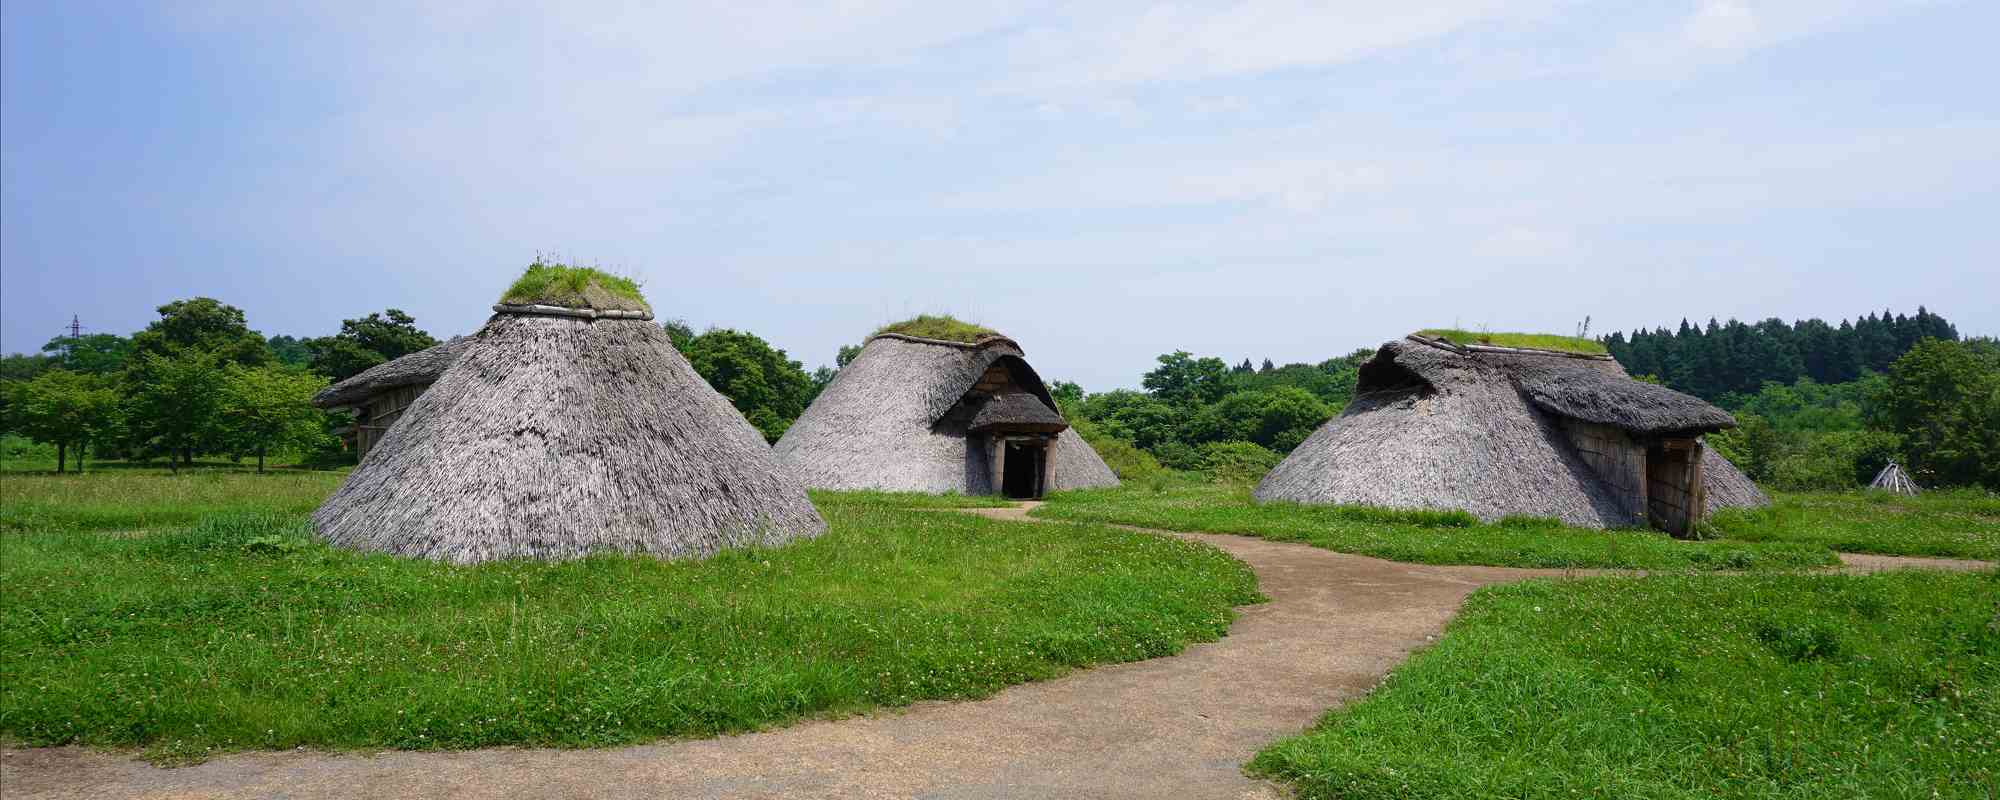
1023	479
1673	486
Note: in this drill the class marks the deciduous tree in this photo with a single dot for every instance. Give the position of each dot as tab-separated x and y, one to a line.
266	408
63	408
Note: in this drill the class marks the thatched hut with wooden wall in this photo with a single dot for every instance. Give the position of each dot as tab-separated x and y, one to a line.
377	397
1499	431
568	425
924	414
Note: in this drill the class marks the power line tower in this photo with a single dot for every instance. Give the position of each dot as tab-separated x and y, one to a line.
73	331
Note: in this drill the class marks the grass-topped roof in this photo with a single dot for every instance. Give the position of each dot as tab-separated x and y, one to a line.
571	286
939	326
1531	341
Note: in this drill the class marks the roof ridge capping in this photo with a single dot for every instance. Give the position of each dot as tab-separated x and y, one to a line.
1465	349
538	309
981	343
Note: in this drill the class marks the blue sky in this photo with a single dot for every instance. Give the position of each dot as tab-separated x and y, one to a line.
1104	181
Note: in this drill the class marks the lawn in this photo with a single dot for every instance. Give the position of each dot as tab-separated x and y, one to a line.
1427	537
135	499
139	612
1957	524
1682	686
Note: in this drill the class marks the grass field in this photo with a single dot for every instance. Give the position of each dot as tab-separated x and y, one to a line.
1426	537
192	614
1781	686
146	499
1957	524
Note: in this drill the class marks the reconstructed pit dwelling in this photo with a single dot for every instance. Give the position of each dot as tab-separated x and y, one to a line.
914	413
378	396
1501	431
568	425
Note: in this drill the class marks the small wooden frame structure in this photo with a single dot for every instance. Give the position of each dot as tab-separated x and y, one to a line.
1894	480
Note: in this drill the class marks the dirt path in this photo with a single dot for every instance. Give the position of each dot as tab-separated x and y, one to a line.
1170	727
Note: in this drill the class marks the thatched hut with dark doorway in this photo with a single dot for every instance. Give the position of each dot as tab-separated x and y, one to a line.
376	397
568	425
937	405
1500	431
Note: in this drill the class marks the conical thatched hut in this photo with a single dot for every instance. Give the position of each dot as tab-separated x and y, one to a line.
925	414
568	425
1499	431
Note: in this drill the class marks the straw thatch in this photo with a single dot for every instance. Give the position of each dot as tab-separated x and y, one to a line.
555	437
886	422
1894	480
423	366
1433	427
1017	411
1598	390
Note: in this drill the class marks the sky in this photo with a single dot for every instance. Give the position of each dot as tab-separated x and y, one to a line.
1103	181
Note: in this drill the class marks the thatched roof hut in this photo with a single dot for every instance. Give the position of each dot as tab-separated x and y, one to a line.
1500	431
921	414
564	430
379	395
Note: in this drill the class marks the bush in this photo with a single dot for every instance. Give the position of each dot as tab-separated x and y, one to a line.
1180	455
14	447
1128	462
1237	462
1833	461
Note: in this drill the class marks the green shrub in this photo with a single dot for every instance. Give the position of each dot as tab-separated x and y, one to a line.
1238	462
938	326
1125	459
569	286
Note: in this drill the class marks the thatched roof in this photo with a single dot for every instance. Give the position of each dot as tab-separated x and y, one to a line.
1598	390
885	422
555	437
423	366
1432	427
1725	486
1016	411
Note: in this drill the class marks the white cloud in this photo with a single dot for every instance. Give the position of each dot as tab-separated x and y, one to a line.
1720	31
1721	25
1118	44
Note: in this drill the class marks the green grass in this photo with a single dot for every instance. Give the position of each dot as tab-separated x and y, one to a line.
569	286
1426	537
1784	686
1955	524
910	500
143	499
125	627
1538	341
938	326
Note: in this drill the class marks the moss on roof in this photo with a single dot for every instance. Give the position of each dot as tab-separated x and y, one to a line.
1534	341
939	326
571	286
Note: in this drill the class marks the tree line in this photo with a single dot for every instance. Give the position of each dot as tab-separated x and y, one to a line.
198	382
1819	405
1736	357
